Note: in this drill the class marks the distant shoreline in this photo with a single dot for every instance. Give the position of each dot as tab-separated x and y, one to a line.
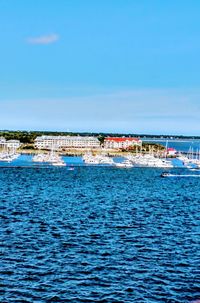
170	140
76	152
29	136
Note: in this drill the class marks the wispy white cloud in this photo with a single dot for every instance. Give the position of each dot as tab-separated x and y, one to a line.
46	39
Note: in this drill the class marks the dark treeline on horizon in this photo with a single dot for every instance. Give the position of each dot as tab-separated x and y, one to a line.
29	136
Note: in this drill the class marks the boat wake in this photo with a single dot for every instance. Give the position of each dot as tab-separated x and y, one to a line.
168	175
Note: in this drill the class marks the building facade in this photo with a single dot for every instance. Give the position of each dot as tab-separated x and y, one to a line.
11	144
55	142
2	142
171	151
121	142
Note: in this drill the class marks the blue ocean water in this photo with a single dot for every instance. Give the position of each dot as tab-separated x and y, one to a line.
179	145
98	234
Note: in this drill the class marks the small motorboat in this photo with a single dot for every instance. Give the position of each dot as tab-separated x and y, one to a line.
70	168
59	163
163	175
124	164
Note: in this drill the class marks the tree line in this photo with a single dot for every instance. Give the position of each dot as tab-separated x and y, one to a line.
28	137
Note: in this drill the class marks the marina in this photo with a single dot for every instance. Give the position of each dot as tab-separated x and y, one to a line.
129	161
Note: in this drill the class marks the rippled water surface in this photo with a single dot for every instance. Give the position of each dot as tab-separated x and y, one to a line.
98	234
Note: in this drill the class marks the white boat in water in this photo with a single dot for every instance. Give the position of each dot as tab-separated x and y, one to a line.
169	175
51	157
8	157
59	163
149	160
191	160
40	158
88	158
124	164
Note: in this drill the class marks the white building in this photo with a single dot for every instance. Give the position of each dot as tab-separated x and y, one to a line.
121	142
48	142
2	142
11	144
14	144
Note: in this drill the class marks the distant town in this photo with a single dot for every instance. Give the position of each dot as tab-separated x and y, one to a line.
30	136
92	148
76	143
62	143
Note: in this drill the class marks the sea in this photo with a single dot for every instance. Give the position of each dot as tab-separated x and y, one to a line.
183	145
98	234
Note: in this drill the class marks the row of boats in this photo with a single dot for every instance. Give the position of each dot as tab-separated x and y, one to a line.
138	160
130	161
189	162
50	158
8	157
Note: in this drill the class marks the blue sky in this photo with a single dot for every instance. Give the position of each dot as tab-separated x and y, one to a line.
109	65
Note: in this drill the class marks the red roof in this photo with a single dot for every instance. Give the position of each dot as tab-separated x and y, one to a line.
121	139
171	149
